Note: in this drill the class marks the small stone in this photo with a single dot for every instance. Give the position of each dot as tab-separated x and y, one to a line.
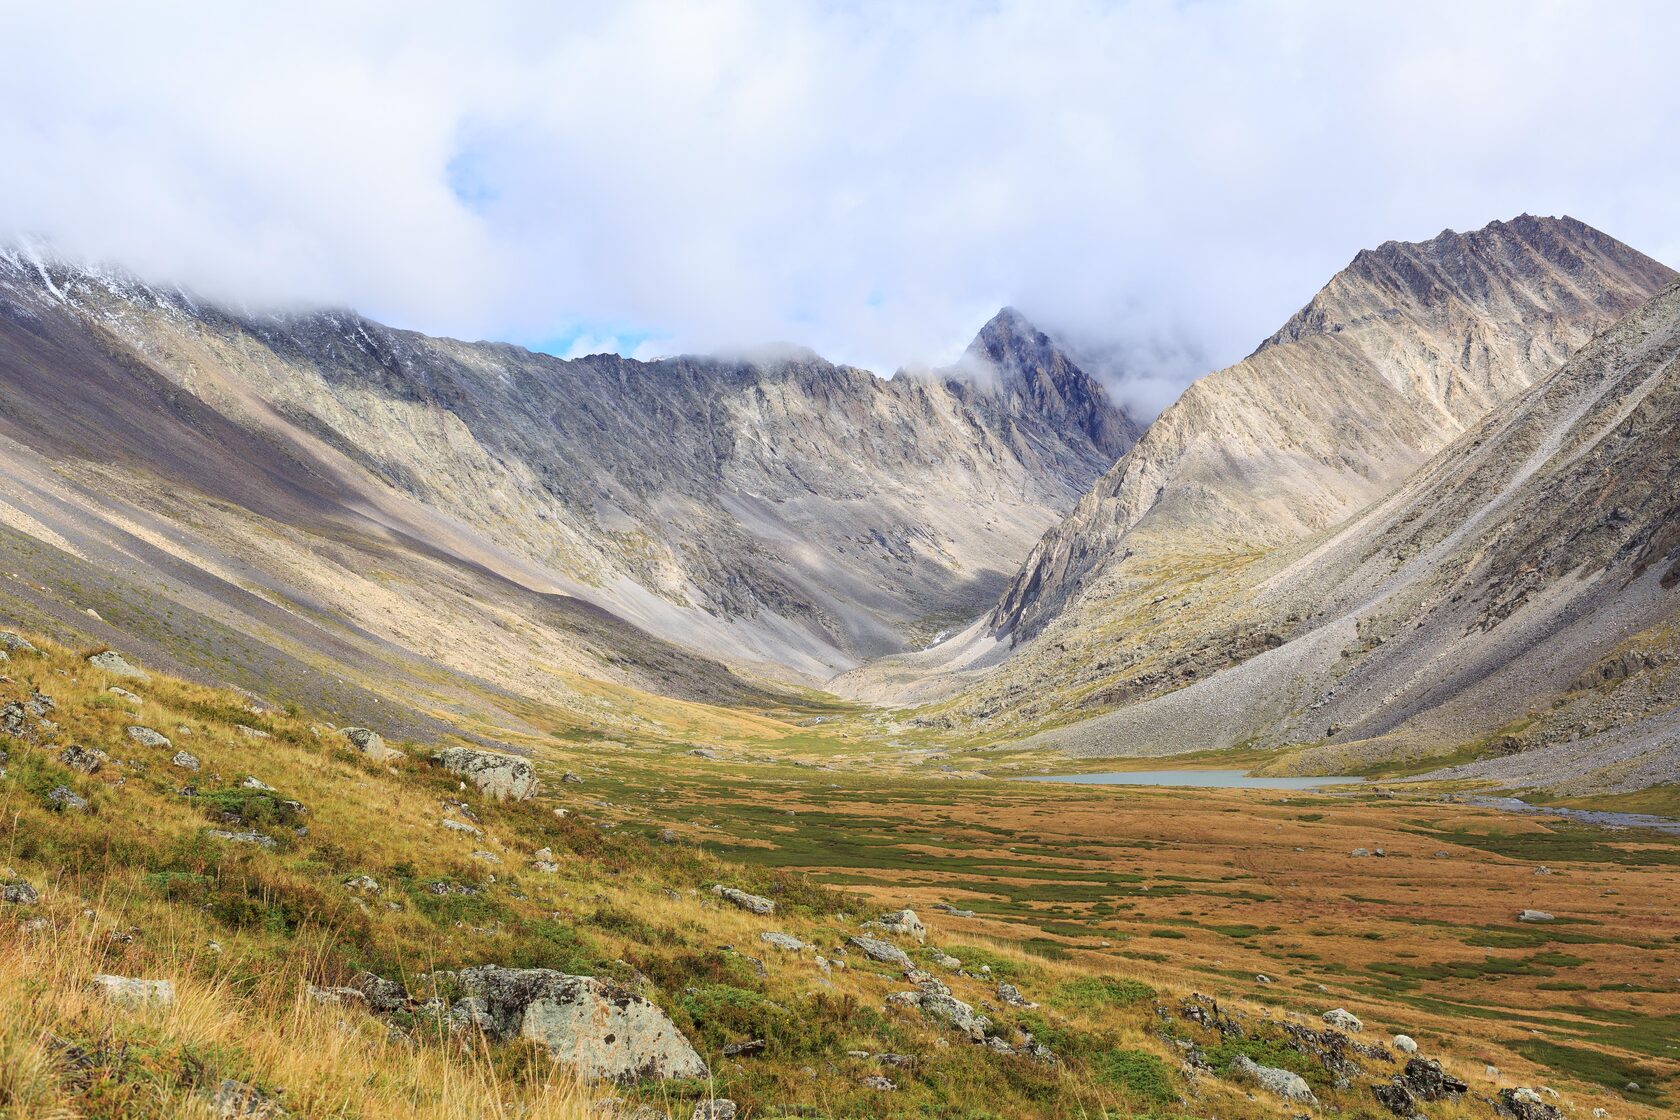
251	781
146	737
363	883
185	760
1344	1020
19	893
86	759
784	941
124	694
879	1083
460	826
112	662
251	732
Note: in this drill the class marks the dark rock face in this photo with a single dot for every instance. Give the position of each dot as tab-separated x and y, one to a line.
1425	1078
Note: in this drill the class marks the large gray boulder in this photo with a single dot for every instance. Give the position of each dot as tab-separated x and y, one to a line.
501	776
112	662
1279	1082
370	743
604	1030
752	903
877	950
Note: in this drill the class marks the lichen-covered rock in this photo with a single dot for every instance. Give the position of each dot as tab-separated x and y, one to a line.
112	662
383	996
147	737
239	1100
752	903
1396	1100
124	694
904	922
371	744
602	1029
186	760
19	893
248	837
88	760
128	991
715	1108
1279	1082
877	950
15	643
1425	1078
66	799
1344	1020
502	776
784	941
1524	1104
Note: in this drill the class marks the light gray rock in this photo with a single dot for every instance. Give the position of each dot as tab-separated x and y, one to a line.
244	837
147	737
251	732
124	694
1279	1082
371	744
752	903
877	950
1344	1020
65	798
112	662
461	826
501	776
714	1108
239	1100
127	991
186	760
1405	1043
1534	916
600	1028
903	922
1011	995
15	643
251	781
784	941
363	883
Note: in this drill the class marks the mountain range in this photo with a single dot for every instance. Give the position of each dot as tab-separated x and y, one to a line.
1428	514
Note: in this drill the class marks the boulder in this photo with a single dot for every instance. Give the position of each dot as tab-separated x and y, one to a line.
1279	1082
936	1002
15	643
1344	1020
1524	1104
1426	1080
146	737
186	760
19	893
127	991
1011	995
752	903
784	941
1534	916
1405	1043
86	759
883	951
604	1030
903	922
370	743
1396	1100
66	799
501	776
112	662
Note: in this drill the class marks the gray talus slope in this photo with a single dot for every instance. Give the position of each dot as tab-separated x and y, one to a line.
1524	582
783	513
1392	359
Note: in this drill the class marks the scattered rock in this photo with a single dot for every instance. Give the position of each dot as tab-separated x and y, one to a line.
461	826
603	1029
1534	916
247	837
124	694
883	951
65	798
1425	1079
251	732
501	776
342	997
571	779
185	760
1344	1020
112	662
946	960
1280	1082
371	744
146	737
363	883
784	941
86	759
947	908
19	893
702	752
1011	995
753	903
383	996
131	992
880	1084
1524	1104
237	1100
903	922
253	782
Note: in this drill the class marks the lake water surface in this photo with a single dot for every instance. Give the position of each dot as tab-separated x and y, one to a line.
1196	779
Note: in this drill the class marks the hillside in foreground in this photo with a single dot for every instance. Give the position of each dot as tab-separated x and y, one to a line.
292	918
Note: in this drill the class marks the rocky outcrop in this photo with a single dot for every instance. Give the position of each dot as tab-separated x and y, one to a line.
603	1030
503	777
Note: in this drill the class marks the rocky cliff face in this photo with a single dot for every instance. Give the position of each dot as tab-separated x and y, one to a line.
1396	356
781	513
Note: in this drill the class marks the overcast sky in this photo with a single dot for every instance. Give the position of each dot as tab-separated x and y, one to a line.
1167	180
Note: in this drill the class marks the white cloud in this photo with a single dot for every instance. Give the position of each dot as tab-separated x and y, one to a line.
1164	181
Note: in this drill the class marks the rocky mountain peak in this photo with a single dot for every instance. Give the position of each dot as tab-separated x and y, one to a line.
1030	367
